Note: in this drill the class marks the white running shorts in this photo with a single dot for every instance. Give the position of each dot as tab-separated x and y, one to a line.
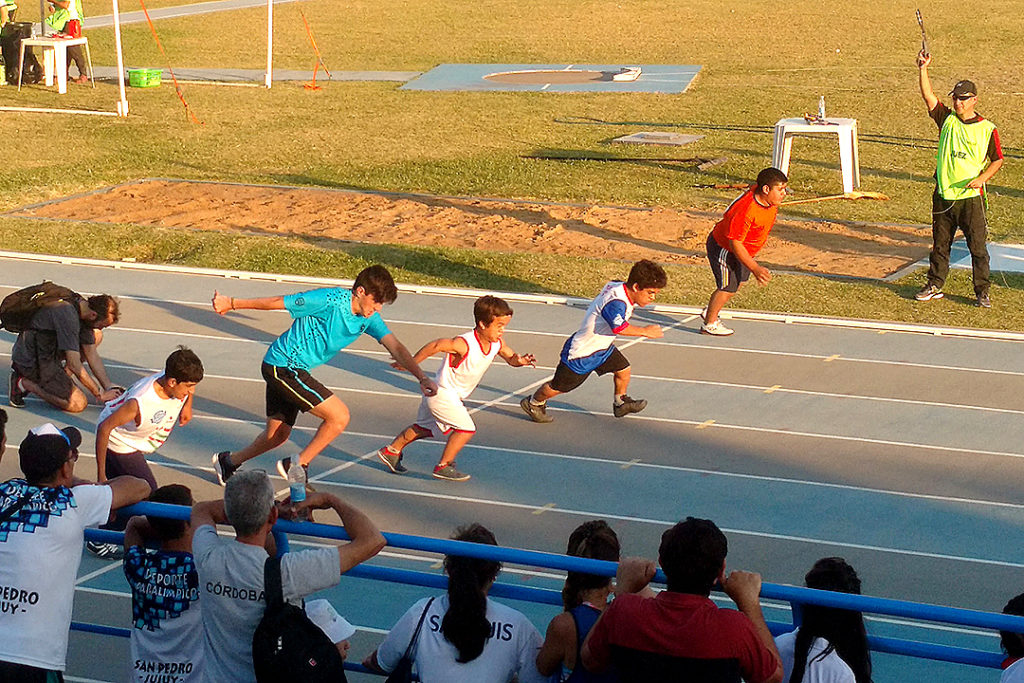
443	413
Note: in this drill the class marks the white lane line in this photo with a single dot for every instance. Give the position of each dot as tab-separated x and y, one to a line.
590	514
593	459
79	679
710	347
99	572
775	388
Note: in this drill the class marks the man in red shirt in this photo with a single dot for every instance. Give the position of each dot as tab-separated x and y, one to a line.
679	634
737	238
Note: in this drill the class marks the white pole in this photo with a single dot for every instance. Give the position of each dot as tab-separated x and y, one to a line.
269	77
122	104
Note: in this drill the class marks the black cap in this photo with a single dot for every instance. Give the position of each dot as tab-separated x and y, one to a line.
964	89
45	449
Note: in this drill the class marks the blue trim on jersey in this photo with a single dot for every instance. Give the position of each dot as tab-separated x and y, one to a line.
586	364
614	313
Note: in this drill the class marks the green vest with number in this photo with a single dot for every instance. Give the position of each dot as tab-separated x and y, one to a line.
963	155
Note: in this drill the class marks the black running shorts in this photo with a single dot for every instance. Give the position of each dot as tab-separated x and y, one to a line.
728	270
567	380
290	390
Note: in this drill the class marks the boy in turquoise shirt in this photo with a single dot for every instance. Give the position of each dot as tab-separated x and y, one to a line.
325	321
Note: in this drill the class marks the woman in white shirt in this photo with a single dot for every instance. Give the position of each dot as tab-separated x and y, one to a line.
831	644
464	635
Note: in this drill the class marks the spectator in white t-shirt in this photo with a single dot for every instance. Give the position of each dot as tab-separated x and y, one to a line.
1013	645
831	645
231	569
465	636
167	628
41	547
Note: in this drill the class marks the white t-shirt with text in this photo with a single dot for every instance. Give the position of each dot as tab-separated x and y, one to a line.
40	551
511	648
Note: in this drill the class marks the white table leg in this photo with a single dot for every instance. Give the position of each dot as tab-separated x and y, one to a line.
48	60
21	66
856	158
846	158
787	149
60	58
777	147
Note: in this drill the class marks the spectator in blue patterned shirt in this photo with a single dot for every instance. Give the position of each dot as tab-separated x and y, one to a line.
167	628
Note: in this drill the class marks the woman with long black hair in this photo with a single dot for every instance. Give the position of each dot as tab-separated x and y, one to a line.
584	597
831	645
464	635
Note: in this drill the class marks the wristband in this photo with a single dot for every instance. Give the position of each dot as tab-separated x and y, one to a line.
232	303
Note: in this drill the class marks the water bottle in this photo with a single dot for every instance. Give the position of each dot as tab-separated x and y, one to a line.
296	481
821	108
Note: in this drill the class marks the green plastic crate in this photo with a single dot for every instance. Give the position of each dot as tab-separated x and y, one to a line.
144	78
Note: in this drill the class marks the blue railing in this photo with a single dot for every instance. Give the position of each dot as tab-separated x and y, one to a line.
796	597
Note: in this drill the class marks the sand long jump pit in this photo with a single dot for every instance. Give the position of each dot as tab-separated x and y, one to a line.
667	235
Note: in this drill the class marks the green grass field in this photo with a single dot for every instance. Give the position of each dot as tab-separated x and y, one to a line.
758	67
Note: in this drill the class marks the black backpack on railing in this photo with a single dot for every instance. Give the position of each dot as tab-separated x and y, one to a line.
17	308
287	647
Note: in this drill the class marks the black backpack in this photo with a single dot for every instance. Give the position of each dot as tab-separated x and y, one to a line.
17	308
287	647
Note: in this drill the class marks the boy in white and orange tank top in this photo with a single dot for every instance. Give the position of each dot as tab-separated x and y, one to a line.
467	358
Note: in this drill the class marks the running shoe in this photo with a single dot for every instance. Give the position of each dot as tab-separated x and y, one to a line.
392	460
15	394
928	292
716	329
223	467
105	551
286	464
629	405
984	301
536	413
449	473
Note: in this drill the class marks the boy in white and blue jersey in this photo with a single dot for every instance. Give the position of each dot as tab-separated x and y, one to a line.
325	321
592	349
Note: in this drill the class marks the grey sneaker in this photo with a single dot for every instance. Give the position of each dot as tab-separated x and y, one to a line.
392	460
629	405
105	551
449	473
15	395
536	413
286	464
223	467
984	301
928	292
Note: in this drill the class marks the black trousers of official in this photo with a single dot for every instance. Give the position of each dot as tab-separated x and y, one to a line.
969	216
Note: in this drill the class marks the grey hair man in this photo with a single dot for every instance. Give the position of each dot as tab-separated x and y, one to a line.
231	570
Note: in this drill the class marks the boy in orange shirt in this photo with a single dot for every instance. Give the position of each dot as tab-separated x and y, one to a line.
737	238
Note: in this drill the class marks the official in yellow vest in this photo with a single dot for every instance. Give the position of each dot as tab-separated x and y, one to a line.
62	12
969	155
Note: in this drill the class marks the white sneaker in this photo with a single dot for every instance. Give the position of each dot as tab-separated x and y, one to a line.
716	328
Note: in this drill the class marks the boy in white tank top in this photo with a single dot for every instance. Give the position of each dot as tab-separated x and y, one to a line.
139	421
467	358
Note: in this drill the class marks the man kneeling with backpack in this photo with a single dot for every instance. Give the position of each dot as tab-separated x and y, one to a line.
58	335
234	594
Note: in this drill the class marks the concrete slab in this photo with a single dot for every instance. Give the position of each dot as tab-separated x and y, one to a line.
662	78
658	138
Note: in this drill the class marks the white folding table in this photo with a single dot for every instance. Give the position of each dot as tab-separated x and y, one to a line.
55	59
846	129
